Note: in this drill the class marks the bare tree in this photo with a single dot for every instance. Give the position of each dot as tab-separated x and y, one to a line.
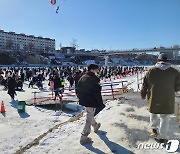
74	43
30	46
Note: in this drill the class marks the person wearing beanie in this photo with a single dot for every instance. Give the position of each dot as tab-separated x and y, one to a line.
159	86
89	94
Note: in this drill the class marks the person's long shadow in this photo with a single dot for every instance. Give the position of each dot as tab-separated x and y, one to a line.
178	150
19	90
114	147
44	90
93	149
14	103
24	115
4	114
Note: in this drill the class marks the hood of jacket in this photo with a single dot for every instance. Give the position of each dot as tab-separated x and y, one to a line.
163	65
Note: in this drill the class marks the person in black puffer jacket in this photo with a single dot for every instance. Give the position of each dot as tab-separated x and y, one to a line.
11	87
89	94
57	85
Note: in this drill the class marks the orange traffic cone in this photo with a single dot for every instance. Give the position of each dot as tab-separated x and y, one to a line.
2	107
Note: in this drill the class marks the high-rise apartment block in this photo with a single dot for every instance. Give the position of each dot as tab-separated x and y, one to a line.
22	42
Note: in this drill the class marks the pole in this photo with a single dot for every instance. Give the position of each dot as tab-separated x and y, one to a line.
137	80
122	87
106	60
52	93
60	100
112	91
35	98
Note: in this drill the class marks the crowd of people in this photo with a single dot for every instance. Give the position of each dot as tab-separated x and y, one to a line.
12	78
159	86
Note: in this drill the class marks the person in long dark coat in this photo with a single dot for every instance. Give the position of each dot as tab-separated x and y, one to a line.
77	76
11	87
57	85
71	81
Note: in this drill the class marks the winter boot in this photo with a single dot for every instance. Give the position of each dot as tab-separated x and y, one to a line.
154	133
85	139
96	127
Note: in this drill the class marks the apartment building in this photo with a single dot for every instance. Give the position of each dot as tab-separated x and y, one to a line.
23	42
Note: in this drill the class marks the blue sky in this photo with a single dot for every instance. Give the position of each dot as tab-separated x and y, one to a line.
96	24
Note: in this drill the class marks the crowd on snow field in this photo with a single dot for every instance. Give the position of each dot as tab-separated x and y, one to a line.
12	78
159	86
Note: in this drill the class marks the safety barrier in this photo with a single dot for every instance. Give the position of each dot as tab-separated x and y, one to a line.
44	100
70	92
111	91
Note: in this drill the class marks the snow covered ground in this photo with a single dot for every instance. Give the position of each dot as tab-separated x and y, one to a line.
40	130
